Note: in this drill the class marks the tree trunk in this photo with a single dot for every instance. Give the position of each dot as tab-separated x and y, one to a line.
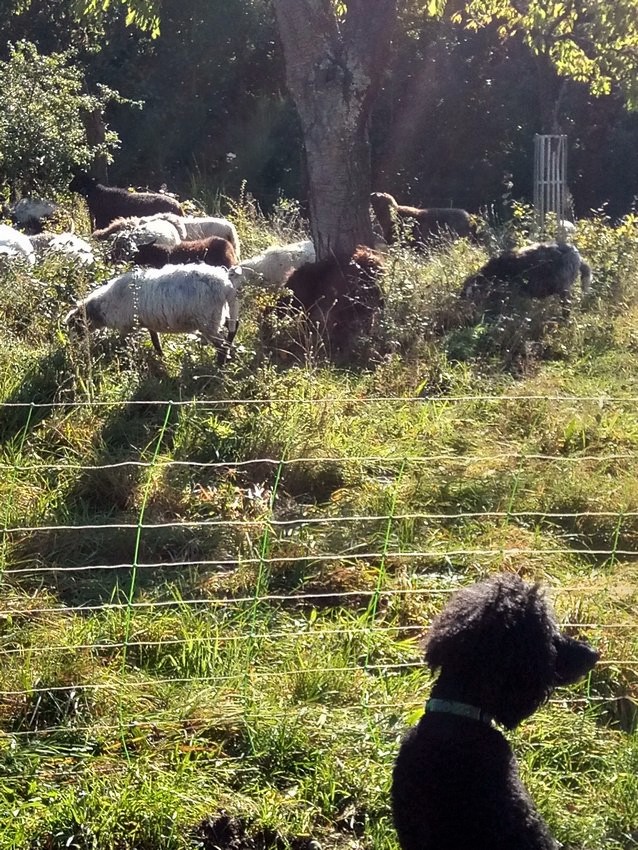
333	68
550	89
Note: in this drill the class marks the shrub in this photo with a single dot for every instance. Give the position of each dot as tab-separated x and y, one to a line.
42	134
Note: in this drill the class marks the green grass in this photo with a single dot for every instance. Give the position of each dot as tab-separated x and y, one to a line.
215	583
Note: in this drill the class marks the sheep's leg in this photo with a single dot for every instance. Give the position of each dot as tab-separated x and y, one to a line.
157	345
230	334
232	320
222	346
223	354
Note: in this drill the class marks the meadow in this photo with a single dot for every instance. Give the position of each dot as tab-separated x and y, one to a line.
215	583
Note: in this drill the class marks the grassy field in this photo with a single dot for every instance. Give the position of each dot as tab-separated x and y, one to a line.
215	583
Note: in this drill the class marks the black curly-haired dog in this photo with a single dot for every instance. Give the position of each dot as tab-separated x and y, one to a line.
499	654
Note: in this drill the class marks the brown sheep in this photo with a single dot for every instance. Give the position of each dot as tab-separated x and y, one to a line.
419	224
337	301
214	251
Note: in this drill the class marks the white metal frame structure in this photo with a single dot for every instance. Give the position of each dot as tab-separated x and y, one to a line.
550	180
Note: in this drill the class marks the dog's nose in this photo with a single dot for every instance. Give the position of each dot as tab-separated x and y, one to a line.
574	659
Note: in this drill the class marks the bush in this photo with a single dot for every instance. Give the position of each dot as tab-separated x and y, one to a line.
42	132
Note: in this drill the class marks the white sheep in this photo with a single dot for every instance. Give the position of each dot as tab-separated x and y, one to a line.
201	227
153	231
190	228
173	299
67	244
133	221
274	264
15	245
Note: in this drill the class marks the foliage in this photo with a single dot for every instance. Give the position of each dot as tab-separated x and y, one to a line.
42	106
144	14
594	41
218	604
452	125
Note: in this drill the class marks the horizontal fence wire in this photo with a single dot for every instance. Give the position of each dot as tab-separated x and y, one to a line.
310	519
29	601
318	459
177	722
271	636
389	555
233	601
375	555
235	677
229	402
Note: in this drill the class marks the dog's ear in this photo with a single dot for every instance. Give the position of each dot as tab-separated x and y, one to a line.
574	659
452	637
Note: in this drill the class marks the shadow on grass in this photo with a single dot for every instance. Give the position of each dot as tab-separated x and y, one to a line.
43	384
94	548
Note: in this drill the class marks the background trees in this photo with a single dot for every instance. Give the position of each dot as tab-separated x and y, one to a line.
452	121
42	120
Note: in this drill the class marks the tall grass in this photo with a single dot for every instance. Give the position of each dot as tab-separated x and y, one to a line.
215	583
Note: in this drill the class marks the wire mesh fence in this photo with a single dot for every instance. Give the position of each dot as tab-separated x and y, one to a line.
153	593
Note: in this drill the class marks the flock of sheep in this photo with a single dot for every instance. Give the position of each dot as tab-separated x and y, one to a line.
188	270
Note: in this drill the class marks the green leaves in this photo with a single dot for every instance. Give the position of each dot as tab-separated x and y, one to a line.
591	41
143	14
42	104
435	8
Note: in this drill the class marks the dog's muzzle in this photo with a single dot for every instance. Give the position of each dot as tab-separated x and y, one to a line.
574	659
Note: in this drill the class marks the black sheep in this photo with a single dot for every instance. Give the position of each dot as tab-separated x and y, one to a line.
336	302
539	270
107	203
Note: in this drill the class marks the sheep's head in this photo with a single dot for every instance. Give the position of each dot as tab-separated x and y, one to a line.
86	316
82	183
382	202
385	209
236	275
76	321
123	247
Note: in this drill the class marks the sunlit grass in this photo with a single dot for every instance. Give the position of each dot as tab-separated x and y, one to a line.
212	605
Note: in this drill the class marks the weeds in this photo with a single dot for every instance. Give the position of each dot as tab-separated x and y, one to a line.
215	584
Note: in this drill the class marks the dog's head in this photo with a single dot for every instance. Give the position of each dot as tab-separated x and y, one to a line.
497	646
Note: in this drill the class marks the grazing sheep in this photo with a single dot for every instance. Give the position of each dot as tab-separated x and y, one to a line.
67	244
15	245
132	221
174	299
214	251
190	228
31	213
275	264
499	655
201	227
337	299
539	270
153	231
420	224
109	202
